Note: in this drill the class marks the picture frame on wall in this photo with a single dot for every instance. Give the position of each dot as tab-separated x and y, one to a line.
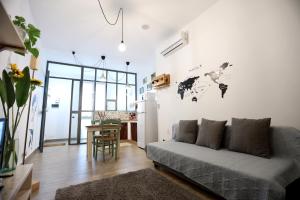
142	90
153	76
149	86
145	80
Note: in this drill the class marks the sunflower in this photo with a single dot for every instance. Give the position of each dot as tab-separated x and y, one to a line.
16	72
36	82
14	67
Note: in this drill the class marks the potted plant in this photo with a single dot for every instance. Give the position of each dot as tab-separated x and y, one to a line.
29	33
16	87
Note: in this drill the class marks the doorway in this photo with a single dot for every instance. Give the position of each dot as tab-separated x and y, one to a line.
73	93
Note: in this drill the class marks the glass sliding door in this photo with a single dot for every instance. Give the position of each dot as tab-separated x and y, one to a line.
74	133
80	91
58	110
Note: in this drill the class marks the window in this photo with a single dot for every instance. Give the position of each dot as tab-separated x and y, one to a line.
101	89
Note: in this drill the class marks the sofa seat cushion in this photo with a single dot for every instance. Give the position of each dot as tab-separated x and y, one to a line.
230	174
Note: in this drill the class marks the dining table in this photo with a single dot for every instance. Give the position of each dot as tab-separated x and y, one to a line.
91	129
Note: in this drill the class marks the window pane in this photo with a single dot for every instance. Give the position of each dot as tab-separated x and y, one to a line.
111	105
111	76
86	118
130	98
75	103
131	79
89	74
101	75
111	91
87	95
121	97
64	71
100	96
121	77
74	128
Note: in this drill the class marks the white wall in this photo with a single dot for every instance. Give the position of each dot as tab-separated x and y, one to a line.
261	39
22	8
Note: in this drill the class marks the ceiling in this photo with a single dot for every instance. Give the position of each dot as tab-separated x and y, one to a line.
79	25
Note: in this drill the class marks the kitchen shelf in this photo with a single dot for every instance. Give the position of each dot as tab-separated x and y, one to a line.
9	36
161	81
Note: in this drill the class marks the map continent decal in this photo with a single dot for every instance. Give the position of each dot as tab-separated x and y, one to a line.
195	86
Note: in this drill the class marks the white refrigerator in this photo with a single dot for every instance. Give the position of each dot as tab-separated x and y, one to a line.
147	130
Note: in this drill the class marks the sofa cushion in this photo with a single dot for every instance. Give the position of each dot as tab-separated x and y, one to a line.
251	136
211	133
232	175
187	131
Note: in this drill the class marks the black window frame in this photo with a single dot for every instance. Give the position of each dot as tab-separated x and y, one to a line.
95	81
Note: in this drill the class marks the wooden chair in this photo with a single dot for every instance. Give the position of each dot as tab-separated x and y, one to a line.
108	137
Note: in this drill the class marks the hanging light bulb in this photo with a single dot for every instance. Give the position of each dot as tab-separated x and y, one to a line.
122	46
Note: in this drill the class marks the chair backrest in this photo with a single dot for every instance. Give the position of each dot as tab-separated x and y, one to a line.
111	121
110	126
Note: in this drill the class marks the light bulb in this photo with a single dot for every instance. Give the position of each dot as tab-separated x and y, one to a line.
122	46
102	77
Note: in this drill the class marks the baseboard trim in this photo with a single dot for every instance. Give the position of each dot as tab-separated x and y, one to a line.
31	154
56	140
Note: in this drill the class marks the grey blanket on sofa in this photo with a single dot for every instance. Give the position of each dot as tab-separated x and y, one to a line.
233	175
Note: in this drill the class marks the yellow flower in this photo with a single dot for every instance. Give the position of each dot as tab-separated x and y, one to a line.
16	72
14	67
18	75
36	82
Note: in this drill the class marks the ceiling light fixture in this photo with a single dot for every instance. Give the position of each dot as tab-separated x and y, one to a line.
122	47
103	77
127	85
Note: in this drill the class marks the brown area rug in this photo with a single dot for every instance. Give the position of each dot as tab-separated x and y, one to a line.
145	184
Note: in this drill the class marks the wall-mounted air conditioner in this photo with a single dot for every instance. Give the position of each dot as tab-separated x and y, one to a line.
181	42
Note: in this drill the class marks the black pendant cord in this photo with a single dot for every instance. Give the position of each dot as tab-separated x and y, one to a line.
116	21
122	25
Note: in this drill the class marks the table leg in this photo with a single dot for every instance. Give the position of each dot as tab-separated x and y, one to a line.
89	145
118	145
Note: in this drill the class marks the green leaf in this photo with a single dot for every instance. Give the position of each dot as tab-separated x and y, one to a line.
9	88
32	40
22	88
2	92
35	52
20	53
16	157
33	31
27	44
20	19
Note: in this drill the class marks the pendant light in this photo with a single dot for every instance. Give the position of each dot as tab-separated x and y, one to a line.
127	85
122	47
103	77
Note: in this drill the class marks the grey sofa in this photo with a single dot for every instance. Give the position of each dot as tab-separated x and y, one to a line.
233	175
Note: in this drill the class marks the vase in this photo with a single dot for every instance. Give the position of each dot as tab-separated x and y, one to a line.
10	156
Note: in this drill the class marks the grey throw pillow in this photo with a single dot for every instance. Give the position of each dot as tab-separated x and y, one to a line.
211	133
187	131
251	136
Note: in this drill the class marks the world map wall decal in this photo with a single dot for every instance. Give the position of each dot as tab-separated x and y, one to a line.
196	86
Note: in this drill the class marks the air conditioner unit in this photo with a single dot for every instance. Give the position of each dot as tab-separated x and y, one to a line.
181	42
